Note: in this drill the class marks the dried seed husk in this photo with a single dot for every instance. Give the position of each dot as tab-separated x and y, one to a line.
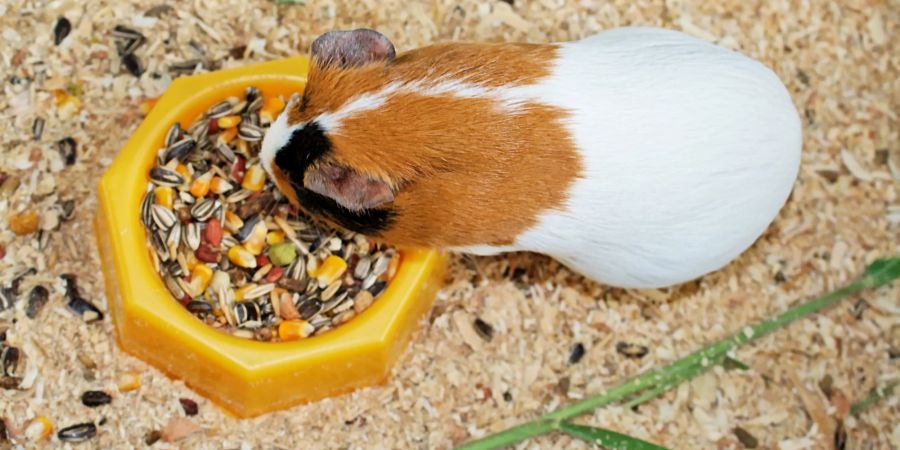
632	350
484	329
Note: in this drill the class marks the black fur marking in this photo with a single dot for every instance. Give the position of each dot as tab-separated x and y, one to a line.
305	147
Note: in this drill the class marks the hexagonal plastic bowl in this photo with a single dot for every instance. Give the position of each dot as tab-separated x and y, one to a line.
246	378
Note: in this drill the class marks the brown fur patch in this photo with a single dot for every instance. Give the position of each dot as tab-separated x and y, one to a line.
466	172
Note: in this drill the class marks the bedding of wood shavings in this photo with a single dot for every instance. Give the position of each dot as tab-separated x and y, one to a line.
840	60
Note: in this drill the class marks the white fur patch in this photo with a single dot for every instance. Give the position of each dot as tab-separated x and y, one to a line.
277	136
689	151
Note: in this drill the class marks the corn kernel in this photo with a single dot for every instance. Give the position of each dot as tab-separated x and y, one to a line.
271	109
243	147
228	135
228	121
241	257
331	269
201	276
219	185
200	185
129	381
254	178
233	223
38	429
291	330
165	196
275	237
257	239
183	170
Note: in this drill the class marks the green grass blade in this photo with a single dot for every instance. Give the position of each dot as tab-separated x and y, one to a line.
874	396
730	363
658	380
607	439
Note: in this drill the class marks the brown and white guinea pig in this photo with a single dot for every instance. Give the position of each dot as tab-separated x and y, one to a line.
639	157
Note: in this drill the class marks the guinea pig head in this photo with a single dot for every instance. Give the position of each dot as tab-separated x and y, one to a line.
300	150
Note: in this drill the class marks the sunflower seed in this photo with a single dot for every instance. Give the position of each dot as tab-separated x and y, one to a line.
68	209
484	329
93	399
632	350
238	196
133	64
245	312
163	217
192	236
166	177
179	150
174	238
220	109
68	150
250	132
199	307
205	209
174	134
185	67
36	300
331	290
37	128
77	433
174	288
576	353
62	29
225	151
10	361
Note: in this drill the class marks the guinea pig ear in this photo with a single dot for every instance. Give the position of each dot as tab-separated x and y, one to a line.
352	48
349	188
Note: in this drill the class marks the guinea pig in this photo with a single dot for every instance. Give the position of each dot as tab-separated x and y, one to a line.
638	157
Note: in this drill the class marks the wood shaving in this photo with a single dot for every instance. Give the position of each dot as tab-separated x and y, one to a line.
839	60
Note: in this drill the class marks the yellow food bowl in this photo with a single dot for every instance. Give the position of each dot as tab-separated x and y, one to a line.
245	377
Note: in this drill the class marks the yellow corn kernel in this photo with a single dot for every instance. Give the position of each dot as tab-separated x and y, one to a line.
183	170
254	178
38	429
257	239
200	185
242	147
129	381
228	121
228	135
219	185
331	269
165	196
240	292
275	237
241	257
291	330
201	275
271	108
233	223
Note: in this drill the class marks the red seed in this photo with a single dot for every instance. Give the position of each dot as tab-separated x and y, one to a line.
185	299
262	260
213	126
274	274
237	169
206	254
2	251
213	232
